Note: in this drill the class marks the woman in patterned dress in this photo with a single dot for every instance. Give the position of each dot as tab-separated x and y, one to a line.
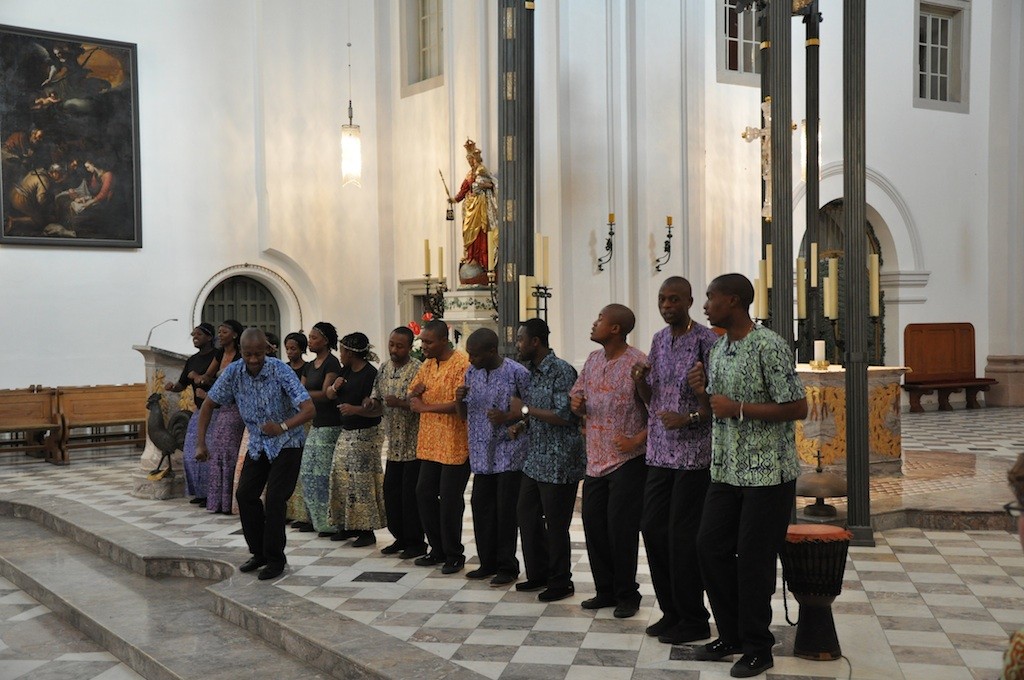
226	427
315	473
295	345
357	476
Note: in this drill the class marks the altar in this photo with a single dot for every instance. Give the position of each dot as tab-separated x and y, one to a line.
824	429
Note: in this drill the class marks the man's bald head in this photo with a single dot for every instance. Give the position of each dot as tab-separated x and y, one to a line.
253	336
621	316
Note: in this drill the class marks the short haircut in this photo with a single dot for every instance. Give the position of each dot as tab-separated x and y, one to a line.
622	316
253	335
678	281
437	328
735	284
405	332
483	339
538	329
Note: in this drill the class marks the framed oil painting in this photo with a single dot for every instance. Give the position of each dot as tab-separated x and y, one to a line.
69	124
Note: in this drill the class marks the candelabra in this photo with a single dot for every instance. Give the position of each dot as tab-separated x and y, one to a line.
433	302
609	244
492	286
541	294
663	260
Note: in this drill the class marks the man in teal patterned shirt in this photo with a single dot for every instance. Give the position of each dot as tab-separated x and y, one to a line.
755	396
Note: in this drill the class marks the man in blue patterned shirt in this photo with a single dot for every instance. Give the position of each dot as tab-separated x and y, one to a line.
555	463
274	405
755	396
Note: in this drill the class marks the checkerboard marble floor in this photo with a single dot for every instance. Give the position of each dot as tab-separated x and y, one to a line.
920	604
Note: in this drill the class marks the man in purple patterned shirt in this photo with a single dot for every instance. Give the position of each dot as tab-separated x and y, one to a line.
495	457
678	459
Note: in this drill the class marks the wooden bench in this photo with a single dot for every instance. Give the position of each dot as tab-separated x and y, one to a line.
30	415
941	359
99	407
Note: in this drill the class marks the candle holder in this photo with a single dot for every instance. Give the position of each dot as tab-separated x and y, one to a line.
433	302
609	247
663	260
492	286
541	295
819	365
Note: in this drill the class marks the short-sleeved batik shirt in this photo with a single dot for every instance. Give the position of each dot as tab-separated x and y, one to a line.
401	425
613	409
554	452
491	450
757	369
442	437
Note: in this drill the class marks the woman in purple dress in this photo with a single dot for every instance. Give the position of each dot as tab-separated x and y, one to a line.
226	428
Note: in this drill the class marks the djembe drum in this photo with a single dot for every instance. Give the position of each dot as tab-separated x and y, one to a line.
813	562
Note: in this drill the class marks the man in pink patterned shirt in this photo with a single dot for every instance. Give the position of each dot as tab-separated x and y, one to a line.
616	433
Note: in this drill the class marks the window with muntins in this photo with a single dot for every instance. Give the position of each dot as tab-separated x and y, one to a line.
738	46
941	56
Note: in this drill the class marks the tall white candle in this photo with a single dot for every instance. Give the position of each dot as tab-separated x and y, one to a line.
814	265
524	297
826	297
819	350
440	262
757	298
762	271
426	257
545	268
873	284
764	299
833	276
768	264
801	293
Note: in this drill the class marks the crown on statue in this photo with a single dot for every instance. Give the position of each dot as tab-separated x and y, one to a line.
471	148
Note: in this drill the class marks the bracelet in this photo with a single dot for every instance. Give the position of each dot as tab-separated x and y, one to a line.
741	411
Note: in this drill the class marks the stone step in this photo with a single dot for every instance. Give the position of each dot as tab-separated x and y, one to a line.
205	579
162	627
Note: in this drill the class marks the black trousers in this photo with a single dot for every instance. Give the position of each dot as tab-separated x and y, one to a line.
740	536
673	505
263	527
440	492
403	513
494	501
612	508
545	511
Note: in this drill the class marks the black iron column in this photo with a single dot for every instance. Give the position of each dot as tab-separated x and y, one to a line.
855	251
780	83
515	148
765	53
813	51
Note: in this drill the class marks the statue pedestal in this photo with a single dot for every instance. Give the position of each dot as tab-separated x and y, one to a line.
825	427
161	365
468	309
1009	371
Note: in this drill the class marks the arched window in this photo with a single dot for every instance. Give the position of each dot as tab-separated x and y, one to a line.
246	300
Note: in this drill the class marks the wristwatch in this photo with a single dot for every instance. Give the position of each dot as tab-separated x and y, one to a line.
525	411
694	417
284	426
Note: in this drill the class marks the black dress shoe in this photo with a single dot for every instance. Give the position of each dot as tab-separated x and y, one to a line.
325	534
684	632
392	549
411	553
531	584
364	539
344	535
480	573
429	560
556	594
717	650
454	565
252	564
198	501
304	527
270	571
599	602
656	629
626	609
503	579
750	665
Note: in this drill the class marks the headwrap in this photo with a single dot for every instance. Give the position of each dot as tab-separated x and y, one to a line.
328	330
207	328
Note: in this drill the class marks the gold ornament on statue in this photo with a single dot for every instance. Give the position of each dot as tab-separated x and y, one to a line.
479	219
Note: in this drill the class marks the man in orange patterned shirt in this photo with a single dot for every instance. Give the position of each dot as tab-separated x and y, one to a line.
443	448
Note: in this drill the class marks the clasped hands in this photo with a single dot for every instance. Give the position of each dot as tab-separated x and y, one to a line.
721	406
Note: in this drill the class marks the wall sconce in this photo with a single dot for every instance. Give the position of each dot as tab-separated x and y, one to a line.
663	260
609	245
351	143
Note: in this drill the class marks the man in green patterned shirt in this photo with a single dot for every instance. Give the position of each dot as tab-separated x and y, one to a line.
755	395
